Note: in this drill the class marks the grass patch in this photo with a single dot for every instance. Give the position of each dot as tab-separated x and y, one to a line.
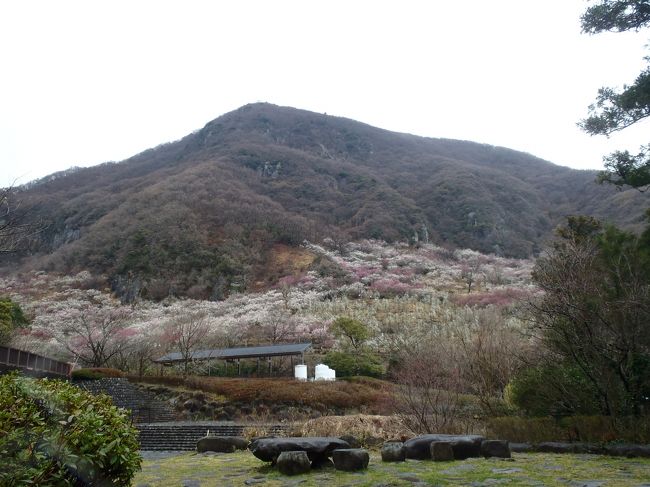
526	469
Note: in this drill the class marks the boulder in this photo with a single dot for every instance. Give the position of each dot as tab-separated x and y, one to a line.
441	451
630	451
558	447
192	405
521	447
318	449
393	451
373	441
350	459
222	444
464	446
495	448
351	440
293	462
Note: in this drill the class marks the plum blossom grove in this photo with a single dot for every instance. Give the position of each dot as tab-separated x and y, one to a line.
402	293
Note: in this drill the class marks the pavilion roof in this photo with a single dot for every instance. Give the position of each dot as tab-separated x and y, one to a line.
241	352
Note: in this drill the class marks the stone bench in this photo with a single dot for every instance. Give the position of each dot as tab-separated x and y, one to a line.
318	449
463	446
221	444
350	459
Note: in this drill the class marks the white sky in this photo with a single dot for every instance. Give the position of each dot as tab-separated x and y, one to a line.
84	82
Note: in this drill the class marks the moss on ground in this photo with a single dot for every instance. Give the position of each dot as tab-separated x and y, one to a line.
535	469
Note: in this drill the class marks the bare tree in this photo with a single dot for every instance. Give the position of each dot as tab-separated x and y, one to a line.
492	350
137	355
429	386
186	334
470	272
14	229
277	326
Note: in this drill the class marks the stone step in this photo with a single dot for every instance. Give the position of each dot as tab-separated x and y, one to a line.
143	404
184	436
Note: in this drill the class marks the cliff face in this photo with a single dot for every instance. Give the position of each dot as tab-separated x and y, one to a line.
207	209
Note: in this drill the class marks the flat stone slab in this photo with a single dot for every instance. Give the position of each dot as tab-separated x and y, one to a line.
318	449
560	447
630	451
221	444
463	446
521	447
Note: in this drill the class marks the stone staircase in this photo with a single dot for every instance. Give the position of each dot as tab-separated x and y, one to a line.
144	406
184	435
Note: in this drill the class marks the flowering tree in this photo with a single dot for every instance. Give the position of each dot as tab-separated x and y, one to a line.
95	335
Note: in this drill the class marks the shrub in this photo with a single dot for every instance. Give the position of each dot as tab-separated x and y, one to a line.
11	317
590	429
53	433
351	364
533	430
96	373
552	390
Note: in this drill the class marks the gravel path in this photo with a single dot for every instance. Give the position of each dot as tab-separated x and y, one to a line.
158	455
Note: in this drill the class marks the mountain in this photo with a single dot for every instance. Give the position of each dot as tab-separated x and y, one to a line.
209	213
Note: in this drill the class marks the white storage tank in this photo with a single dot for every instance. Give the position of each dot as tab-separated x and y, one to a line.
300	372
321	372
331	374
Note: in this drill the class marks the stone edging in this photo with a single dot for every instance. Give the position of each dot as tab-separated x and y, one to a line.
614	450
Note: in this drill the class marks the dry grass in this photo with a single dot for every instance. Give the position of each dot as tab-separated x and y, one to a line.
361	426
258	431
370	396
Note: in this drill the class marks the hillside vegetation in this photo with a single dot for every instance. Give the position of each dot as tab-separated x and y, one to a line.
202	216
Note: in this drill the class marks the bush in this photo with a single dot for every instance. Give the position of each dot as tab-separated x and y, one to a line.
96	373
552	390
524	430
590	429
53	433
11	317
351	364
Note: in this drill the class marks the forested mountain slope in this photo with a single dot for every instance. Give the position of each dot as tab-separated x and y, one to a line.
204	214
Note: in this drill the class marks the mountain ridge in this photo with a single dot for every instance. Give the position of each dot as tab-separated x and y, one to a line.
205	210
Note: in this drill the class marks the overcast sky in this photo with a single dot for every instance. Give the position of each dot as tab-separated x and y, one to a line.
84	82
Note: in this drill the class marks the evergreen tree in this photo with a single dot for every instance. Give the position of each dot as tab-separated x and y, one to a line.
615	110
11	317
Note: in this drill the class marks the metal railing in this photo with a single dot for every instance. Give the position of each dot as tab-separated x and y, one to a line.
13	357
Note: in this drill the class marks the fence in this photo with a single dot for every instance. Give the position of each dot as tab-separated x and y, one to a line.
12	357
